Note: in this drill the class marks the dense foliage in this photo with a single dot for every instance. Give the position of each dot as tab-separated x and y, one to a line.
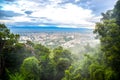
29	61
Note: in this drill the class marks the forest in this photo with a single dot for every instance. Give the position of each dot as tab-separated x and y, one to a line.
29	61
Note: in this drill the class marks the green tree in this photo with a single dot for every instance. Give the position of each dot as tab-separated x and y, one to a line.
18	53
109	34
108	15
97	72
16	76
62	59
47	67
30	69
7	42
42	53
59	52
117	12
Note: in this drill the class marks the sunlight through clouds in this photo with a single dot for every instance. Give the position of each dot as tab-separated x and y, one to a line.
58	12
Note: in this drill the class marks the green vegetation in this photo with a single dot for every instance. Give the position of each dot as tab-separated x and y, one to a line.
29	61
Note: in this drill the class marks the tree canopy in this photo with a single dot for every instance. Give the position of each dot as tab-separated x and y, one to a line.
31	61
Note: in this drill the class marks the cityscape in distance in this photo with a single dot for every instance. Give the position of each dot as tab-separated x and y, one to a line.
69	38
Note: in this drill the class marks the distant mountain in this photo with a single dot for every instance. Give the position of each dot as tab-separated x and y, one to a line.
21	29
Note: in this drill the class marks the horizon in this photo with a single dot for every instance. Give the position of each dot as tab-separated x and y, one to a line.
36	29
49	27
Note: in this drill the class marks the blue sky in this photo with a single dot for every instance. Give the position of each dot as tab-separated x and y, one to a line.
59	13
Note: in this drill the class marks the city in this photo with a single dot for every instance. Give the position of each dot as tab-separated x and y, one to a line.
64	39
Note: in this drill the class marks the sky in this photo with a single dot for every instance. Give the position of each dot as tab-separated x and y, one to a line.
53	13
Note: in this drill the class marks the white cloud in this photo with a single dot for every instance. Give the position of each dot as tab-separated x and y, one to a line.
66	15
21	19
77	0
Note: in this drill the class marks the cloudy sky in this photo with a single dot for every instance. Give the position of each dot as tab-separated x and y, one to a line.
53	13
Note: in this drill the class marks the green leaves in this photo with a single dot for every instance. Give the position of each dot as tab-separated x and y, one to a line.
7	43
16	76
110	74
108	31
30	68
117	12
96	72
